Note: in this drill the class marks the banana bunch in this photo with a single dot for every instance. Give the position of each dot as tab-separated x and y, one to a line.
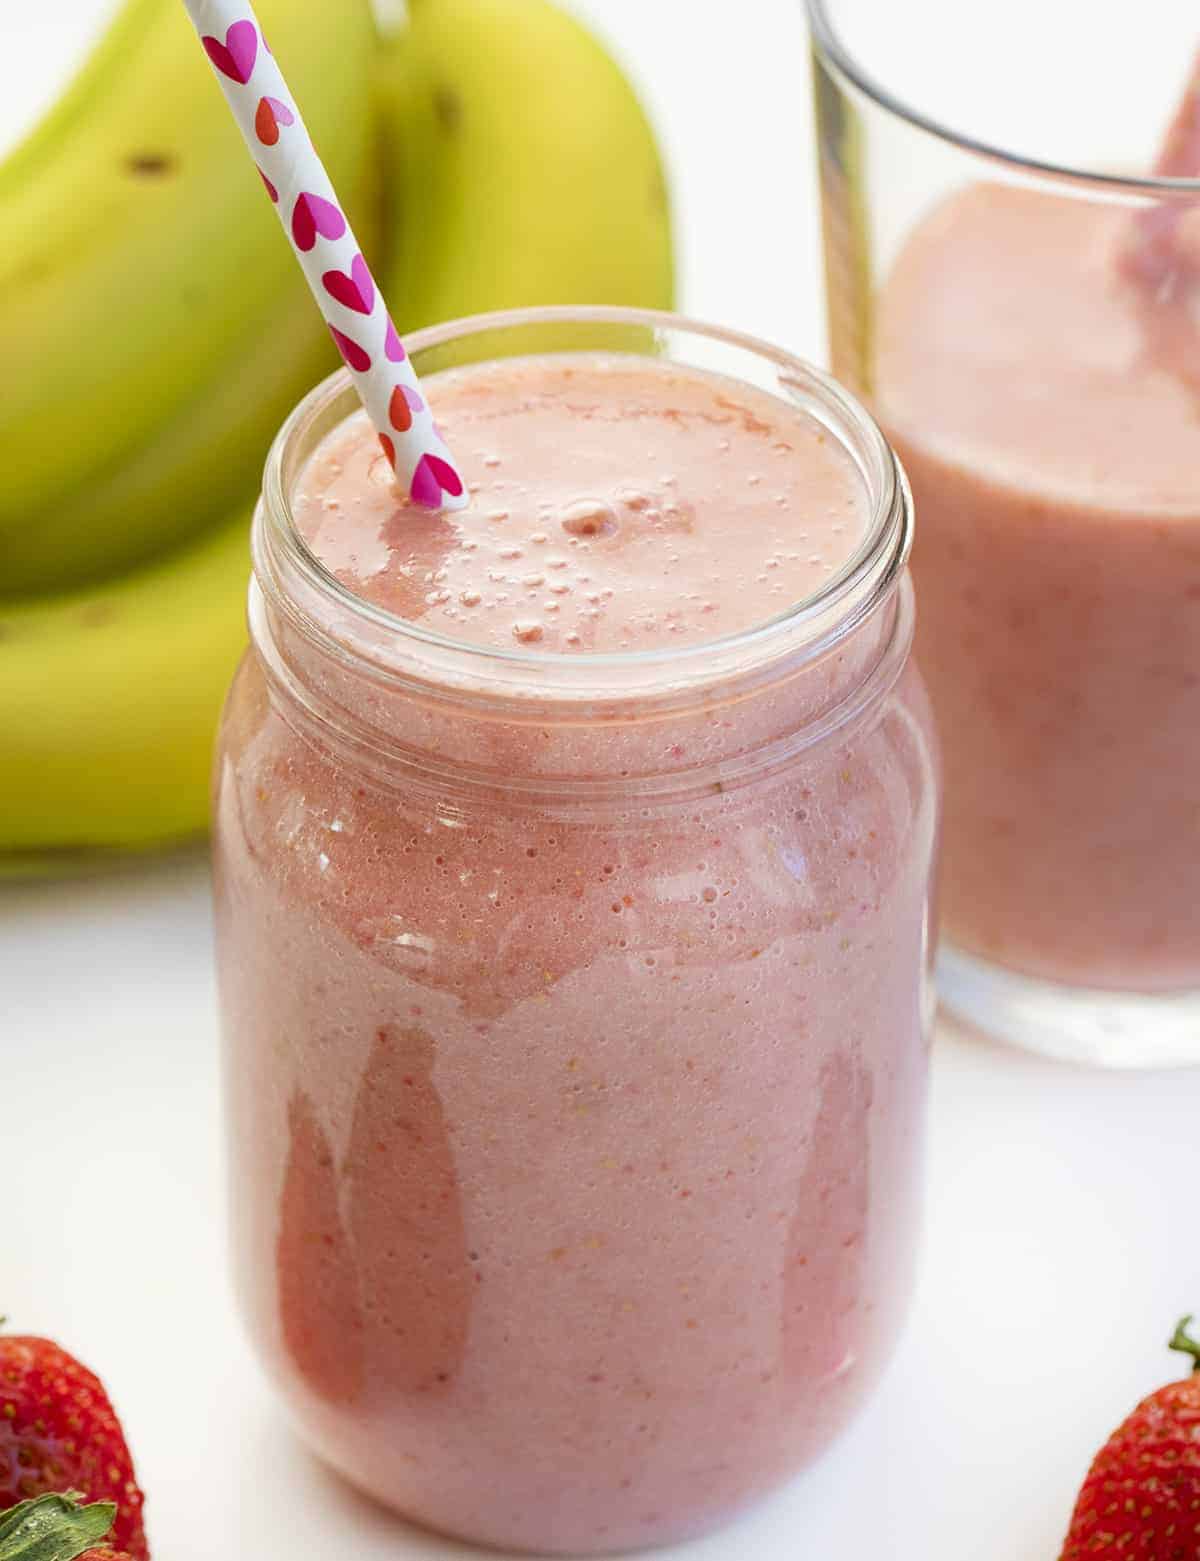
157	331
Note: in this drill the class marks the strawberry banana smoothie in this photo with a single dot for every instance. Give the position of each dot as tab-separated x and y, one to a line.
1046	404
573	927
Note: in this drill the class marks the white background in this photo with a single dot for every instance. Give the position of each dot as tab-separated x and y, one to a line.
1063	1238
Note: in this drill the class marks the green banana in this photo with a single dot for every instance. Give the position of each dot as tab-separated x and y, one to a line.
110	696
523	168
520	170
156	329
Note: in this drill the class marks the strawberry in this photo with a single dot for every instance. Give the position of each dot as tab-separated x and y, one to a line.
58	1433
58	1528
1141	1498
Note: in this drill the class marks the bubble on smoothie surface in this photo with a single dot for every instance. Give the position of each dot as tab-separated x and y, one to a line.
589	518
649	524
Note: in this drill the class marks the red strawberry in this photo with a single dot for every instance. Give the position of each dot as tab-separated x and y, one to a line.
58	1432
1141	1498
58	1528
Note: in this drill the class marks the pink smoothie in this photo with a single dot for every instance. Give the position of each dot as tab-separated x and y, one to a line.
1046	404
576	1147
592	527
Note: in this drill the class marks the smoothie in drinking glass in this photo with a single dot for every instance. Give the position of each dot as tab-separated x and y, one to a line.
1021	307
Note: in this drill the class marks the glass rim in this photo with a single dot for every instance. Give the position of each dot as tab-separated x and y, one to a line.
830	43
882	553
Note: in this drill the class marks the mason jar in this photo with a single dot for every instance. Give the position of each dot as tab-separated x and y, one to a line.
576	1015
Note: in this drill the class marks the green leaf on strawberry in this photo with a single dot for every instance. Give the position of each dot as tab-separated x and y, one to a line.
53	1528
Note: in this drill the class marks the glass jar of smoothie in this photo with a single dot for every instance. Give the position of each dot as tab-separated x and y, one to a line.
1012	226
573	909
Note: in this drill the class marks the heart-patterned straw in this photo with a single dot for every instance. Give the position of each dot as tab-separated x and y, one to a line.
327	250
1151	253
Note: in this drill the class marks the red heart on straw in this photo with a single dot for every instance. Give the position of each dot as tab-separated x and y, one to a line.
356	291
393	347
271	190
270	116
432	478
389	449
399	410
312	215
236	56
358	359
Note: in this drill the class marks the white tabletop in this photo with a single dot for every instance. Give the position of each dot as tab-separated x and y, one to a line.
1062	1239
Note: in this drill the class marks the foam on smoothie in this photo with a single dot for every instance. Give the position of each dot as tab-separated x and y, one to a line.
1010	343
670	507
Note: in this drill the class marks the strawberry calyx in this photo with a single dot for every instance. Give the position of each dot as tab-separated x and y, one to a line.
1181	1340
53	1528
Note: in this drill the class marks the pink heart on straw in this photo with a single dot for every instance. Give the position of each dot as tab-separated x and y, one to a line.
236	56
432	477
271	114
271	190
358	359
393	347
312	215
356	291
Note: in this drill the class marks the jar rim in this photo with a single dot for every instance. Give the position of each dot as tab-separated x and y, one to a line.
283	558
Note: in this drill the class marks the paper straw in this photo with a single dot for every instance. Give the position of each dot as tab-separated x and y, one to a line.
329	256
1154	253
1179	155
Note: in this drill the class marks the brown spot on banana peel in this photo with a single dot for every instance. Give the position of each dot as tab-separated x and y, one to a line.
97	614
447	105
150	165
